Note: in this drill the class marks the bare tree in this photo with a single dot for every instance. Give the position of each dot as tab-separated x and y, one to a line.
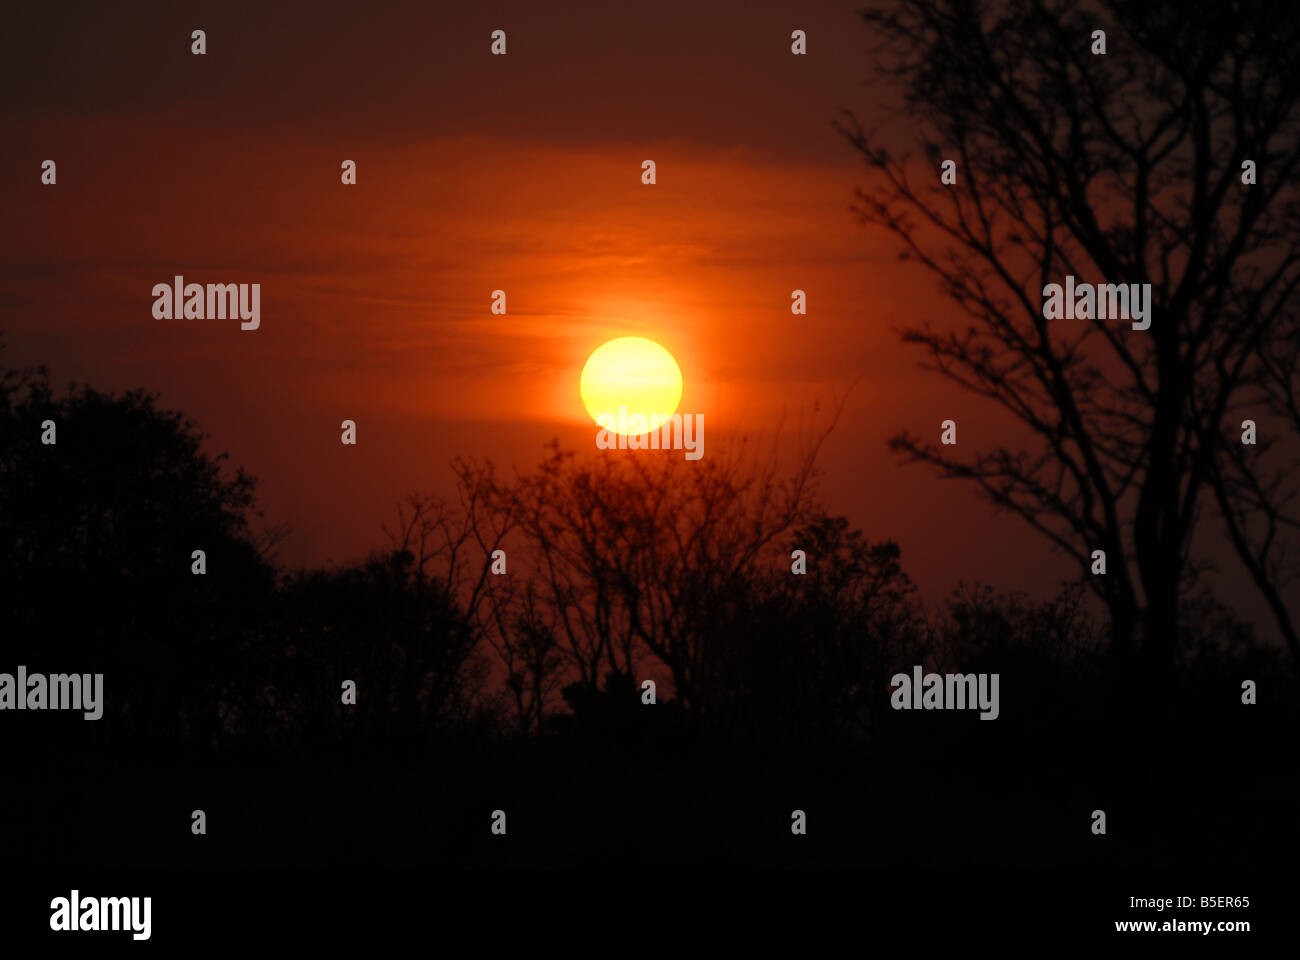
1124	167
454	540
1257	486
632	551
613	558
531	654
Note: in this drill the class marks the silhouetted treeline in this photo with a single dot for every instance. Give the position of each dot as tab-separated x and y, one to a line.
619	570
474	690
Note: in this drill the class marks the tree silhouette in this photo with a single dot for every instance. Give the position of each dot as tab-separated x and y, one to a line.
808	658
1117	168
621	568
97	533
634	554
617	562
402	639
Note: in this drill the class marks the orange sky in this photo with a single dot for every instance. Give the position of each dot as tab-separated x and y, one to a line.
474	173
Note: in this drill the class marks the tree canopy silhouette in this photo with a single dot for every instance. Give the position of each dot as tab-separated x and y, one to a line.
1125	167
97	533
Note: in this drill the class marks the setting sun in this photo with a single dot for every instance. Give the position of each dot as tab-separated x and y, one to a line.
634	373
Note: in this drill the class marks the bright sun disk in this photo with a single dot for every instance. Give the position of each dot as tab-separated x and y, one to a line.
635	373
